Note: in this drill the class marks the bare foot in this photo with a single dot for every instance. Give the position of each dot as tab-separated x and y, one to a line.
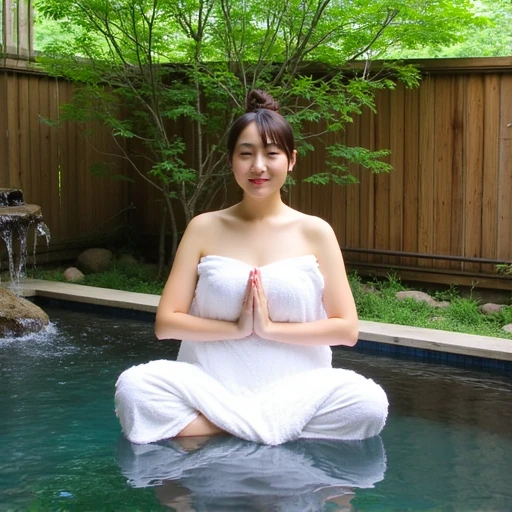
201	426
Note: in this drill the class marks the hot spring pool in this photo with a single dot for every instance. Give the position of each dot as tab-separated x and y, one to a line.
447	445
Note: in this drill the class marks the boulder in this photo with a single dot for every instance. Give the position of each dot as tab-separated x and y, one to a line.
508	328
490	308
73	275
421	297
92	261
19	316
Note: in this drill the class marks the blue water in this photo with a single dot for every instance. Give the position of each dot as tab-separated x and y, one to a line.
447	445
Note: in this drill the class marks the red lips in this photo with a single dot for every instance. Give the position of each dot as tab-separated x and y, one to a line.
258	181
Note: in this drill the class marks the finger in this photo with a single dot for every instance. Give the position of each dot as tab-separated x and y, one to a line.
259	287
248	287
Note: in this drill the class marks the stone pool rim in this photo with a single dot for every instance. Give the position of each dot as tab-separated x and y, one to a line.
436	344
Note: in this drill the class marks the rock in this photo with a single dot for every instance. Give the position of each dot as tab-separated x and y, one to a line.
19	316
490	308
73	275
508	328
368	288
92	261
421	297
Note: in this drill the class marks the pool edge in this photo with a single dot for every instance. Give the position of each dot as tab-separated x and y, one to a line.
389	337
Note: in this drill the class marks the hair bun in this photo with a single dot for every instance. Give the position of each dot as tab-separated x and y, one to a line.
258	99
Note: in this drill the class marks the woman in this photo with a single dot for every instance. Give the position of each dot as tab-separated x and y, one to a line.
258	293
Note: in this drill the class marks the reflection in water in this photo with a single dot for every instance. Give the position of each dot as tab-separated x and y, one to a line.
226	473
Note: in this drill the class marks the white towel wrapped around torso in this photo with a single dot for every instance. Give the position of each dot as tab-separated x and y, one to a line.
256	389
294	290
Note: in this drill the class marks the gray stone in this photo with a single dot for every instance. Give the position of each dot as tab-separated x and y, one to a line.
490	308
92	261
19	316
421	297
73	275
368	288
508	328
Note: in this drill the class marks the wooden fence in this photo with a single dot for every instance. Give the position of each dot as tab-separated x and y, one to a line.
51	164
449	196
450	192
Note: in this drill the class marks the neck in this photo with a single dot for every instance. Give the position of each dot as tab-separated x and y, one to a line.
255	209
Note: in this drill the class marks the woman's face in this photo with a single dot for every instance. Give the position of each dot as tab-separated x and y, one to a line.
259	169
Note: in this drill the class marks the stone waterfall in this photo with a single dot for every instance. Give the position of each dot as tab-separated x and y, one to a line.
18	316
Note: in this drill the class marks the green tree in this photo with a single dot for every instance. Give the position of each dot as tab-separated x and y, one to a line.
491	37
143	63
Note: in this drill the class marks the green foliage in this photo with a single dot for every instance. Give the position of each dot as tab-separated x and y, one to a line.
142	65
452	293
504	269
490	36
464	311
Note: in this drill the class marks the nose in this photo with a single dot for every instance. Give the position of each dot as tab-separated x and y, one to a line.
259	163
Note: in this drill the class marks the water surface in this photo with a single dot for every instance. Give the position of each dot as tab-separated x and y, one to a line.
447	445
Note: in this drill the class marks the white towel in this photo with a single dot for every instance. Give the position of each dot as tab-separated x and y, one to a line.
255	389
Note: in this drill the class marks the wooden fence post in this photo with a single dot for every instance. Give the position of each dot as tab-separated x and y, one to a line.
17	28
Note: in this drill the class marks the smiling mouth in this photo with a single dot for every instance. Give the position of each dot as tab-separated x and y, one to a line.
258	181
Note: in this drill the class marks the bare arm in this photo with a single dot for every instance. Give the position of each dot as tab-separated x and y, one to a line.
341	325
173	320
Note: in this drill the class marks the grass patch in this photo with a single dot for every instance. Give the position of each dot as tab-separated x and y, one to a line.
127	277
375	301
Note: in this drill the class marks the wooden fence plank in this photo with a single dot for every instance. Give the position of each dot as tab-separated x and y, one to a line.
47	202
34	149
382	189
69	176
337	198
4	146
352	216
474	170
411	174
426	171
443	154
457	170
24	140
504	238
367	204
490	160
13	132
396	177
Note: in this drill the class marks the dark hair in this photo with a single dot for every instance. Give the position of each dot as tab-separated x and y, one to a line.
262	109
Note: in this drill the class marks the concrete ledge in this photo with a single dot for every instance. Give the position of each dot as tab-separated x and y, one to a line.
391	334
89	295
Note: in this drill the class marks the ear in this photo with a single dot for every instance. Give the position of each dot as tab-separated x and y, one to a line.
293	161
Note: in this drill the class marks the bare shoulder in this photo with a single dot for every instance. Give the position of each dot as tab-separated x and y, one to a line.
204	229
204	221
317	230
